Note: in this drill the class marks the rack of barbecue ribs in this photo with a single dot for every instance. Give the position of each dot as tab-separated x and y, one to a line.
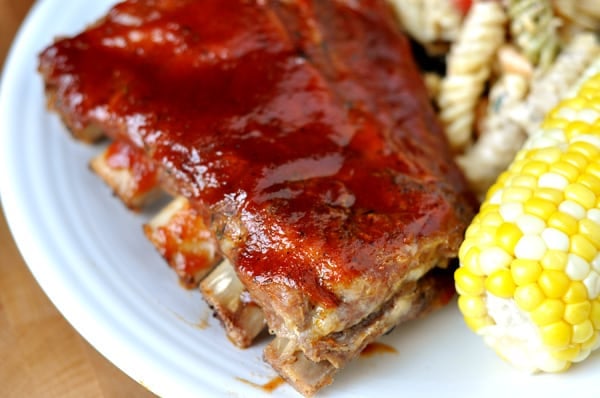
314	195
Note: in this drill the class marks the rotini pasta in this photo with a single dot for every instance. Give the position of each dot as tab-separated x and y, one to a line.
428	21
469	66
533	27
500	139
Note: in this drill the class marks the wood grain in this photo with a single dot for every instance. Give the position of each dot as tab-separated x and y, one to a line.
41	355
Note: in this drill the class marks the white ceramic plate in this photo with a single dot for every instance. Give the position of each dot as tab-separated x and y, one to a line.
89	255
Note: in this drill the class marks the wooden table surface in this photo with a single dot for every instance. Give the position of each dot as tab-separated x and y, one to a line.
41	355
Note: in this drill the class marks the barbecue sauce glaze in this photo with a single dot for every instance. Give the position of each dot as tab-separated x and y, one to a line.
305	121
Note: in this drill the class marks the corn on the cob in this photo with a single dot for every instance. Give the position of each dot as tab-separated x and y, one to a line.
529	275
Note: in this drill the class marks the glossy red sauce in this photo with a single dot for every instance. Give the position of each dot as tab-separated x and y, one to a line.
308	119
185	243
121	155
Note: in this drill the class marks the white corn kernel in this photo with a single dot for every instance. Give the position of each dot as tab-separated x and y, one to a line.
555	239
553	180
577	268
573	209
530	224
530	247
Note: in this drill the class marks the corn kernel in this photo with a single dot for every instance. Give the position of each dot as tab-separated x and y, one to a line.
557	334
491	219
535	169
539	207
584	148
555	239
582	331
548	155
473	230
577	268
548	312
525	271
553	283
577	312
593	169
471	261
576	128
516	194
566	170
581	195
573	209
507	236
595	316
582	247
591	343
590	182
553	180
468	283
566	354
594	215
531	247
478	322
472	306
530	225
486	235
525	181
492	259
563	222
554	260
529	297
511	211
591	231
576	159
501	284
576	293
592	283
550	194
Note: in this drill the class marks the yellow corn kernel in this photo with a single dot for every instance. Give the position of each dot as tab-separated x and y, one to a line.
582	247
550	194
585	148
563	222
507	236
491	219
472	306
577	312
500	283
478	322
591	342
580	194
554	260
557	334
582	331
529	297
539	207
590	182
553	283
548	312
566	354
525	271
471	261
593	169
595	317
576	159
525	181
516	194
534	169
591	231
576	128
565	169
468	283
576	293
548	155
